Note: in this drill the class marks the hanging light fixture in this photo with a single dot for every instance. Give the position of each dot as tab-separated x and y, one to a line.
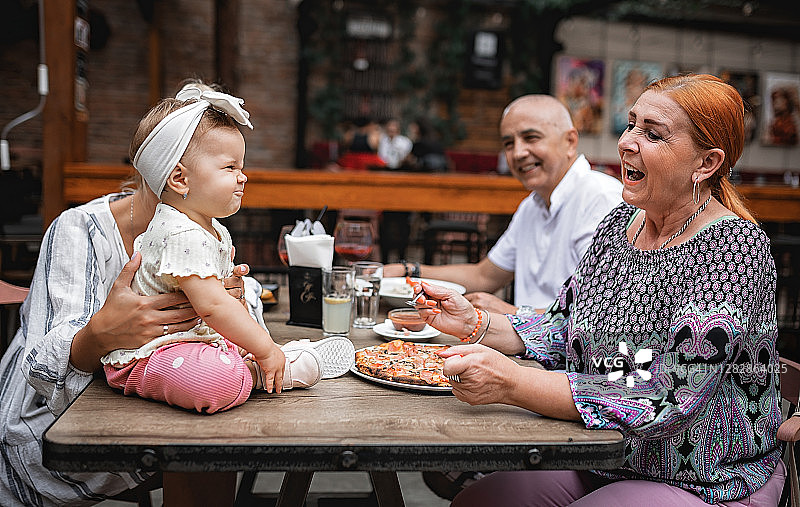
44	87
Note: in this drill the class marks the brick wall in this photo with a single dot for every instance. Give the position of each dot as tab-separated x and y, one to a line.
118	76
267	73
118	82
267	77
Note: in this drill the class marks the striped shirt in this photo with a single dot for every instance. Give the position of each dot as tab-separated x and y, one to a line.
81	256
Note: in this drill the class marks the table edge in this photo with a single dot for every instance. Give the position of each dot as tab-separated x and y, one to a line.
334	457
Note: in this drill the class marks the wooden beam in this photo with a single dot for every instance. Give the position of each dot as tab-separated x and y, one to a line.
772	203
63	135
392	191
307	189
226	38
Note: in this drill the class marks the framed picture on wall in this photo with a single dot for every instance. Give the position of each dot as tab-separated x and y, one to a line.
579	85
747	82
629	79
781	109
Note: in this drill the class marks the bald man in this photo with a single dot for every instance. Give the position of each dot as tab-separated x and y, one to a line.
552	227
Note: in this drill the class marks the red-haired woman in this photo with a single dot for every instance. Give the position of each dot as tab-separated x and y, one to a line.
680	269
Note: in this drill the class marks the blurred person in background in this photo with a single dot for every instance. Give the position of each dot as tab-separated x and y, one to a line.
395	227
360	146
393	146
427	152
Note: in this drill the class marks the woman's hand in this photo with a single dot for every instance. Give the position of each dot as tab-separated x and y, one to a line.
486	375
128	320
454	315
234	283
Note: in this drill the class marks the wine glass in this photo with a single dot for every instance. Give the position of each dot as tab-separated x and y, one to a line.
353	240
282	253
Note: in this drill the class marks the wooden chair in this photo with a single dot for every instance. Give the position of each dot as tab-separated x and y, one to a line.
449	233
789	431
11	296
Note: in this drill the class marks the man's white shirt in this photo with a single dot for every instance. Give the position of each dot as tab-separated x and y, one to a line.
542	245
394	150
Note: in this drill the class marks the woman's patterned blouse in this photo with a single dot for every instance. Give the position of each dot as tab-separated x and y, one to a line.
675	348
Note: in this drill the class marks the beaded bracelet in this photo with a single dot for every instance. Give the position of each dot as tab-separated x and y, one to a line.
477	326
488	323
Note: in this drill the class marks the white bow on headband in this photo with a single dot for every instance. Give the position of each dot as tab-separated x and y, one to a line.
164	146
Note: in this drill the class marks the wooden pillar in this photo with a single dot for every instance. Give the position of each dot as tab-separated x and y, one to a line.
154	61
64	130
148	10
199	488
226	42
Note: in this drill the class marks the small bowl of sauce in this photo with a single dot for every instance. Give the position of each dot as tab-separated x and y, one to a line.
406	318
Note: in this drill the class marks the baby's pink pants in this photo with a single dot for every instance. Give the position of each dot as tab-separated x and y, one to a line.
192	375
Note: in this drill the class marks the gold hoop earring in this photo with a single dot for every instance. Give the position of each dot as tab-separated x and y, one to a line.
695	192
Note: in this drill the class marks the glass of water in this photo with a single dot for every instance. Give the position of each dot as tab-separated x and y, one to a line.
367	290
337	299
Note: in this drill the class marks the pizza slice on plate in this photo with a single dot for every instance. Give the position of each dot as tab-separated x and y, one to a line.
403	362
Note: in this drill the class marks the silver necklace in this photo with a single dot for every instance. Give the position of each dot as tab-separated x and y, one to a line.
680	231
132	231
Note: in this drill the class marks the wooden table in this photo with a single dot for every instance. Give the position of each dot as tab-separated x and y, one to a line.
340	424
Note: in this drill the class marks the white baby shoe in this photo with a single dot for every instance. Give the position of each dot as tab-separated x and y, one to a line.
303	368
337	353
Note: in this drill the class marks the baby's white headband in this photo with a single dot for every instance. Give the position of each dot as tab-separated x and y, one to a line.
164	146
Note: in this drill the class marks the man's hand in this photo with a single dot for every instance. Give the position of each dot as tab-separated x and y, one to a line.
489	302
393	270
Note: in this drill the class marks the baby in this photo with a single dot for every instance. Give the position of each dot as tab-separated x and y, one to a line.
192	157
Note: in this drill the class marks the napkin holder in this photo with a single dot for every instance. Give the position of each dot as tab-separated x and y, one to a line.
305	296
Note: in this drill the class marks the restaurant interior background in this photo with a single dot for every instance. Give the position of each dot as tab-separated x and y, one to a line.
308	67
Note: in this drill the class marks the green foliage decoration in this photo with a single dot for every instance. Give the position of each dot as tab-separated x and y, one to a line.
324	53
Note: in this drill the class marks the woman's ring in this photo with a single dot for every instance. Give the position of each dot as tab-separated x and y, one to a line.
166	329
454	378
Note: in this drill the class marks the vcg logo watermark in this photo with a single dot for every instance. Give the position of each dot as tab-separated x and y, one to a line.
617	364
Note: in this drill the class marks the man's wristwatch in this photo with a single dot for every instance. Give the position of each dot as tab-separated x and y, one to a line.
526	311
411	268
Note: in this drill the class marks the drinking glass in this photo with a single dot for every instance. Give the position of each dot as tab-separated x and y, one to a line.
284	256
337	299
367	289
353	240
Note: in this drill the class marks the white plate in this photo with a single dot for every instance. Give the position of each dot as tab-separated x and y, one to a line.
387	330
412	387
391	289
